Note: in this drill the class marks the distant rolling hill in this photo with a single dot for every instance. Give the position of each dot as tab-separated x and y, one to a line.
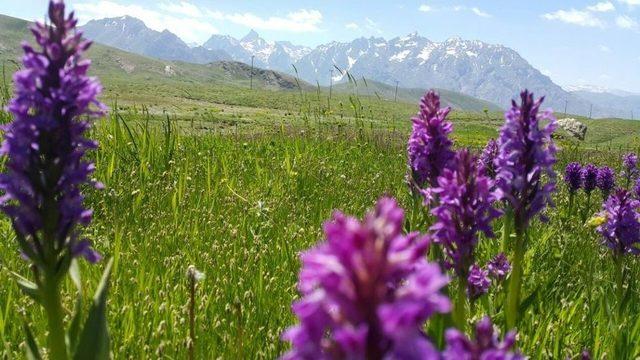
117	66
450	98
628	104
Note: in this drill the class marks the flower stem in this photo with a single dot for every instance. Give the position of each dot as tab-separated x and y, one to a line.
192	317
515	282
619	282
53	307
590	299
506	229
570	209
460	309
585	211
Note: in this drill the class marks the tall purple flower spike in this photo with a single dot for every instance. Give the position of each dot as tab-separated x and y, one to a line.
53	107
573	176
525	161
465	210
621	230
486	344
367	291
429	146
488	157
630	165
499	267
636	189
589	177
606	180
478	282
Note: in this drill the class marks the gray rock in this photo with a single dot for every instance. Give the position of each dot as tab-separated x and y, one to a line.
574	127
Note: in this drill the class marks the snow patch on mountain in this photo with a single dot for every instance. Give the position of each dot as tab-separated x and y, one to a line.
268	54
400	56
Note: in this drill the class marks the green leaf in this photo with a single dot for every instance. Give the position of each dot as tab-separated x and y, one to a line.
74	329
528	301
94	340
28	288
74	272
32	346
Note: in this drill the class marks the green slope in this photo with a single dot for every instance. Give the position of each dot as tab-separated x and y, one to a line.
384	91
114	66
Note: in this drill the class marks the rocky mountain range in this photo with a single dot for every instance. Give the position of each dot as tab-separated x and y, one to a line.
276	55
490	72
131	34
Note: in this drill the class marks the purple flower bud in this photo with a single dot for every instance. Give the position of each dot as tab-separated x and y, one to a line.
499	267
630	163
589	175
621	230
53	107
367	291
606	180
465	209
486	344
573	176
488	157
636	189
429	147
527	155
478	282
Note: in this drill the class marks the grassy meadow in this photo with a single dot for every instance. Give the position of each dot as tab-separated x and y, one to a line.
237	182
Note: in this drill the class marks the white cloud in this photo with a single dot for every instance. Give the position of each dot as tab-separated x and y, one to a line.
604	48
372	25
187	27
604	6
182	8
630	2
575	17
192	23
625	22
365	26
296	21
477	11
425	8
352	26
480	13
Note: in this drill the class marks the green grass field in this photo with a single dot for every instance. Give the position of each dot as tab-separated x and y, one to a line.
239	203
237	182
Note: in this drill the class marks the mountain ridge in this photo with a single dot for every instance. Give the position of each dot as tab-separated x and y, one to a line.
113	65
131	34
491	72
126	71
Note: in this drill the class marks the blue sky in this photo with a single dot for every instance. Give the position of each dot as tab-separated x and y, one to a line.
574	42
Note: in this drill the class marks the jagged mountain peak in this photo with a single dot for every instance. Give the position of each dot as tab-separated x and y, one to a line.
114	21
251	36
268	54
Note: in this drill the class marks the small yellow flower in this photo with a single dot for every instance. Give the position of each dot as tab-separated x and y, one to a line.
596	221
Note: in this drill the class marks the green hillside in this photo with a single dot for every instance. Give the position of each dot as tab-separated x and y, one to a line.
451	98
114	66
